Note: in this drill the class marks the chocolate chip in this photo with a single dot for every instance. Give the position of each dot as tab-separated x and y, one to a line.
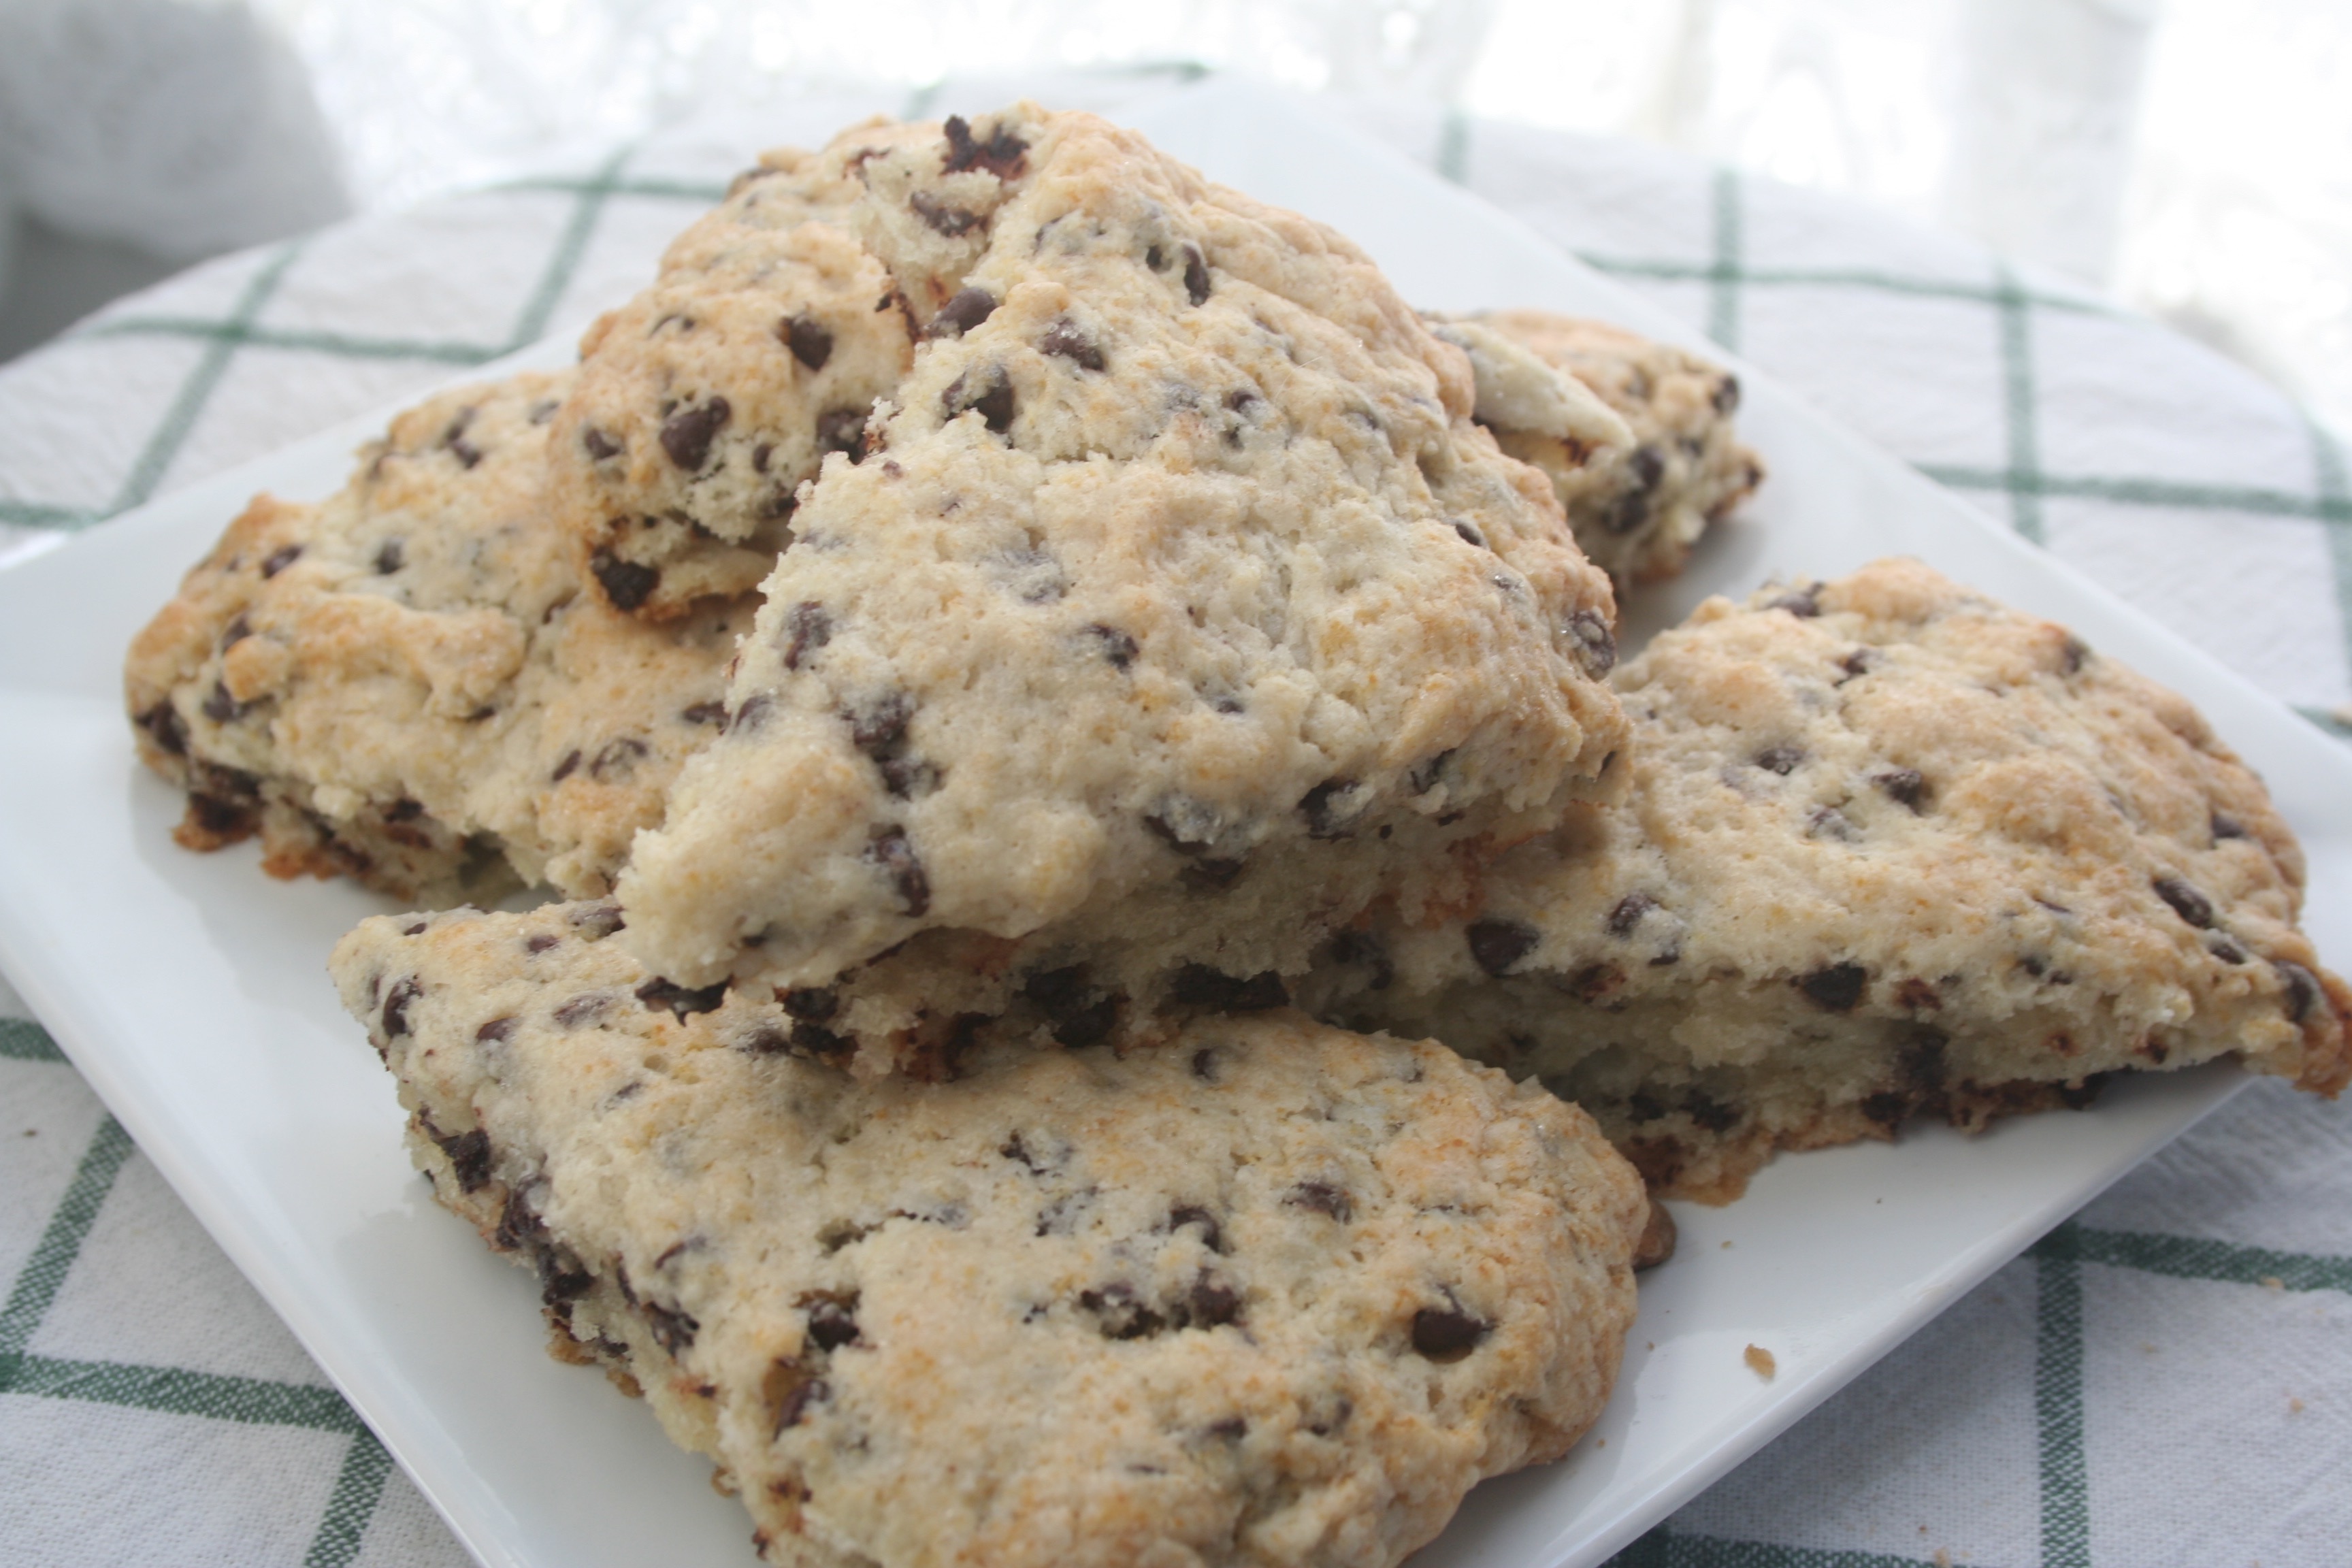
890	850
164	727
1119	1314
1328	811
1782	759
880	727
1726	396
1836	987
808	627
953	222
2225	826
2073	656
2303	988
1212	1235
1857	663
1649	467
1919	1058
454	439
1919	996
831	1317
598	445
562	1277
1448	1333
597	921
673	1329
1828	822
809	339
985	390
517	1226
1627	913
1804	602
1198	985
1064	339
1204	1065
811	1004
564	769
280	559
1362	950
1214	1305
809	1042
2186	902
540	942
580	1009
625	582
657	994
1153	257
395	1005
1470	535
788	1389
1425	776
469	1154
1711	1114
1904	786
235	632
1196	275
842	430
221	708
1498	944
2222	948
962	314
705	713
1323	1198
1001	155
497	1030
618	756
751	715
687	435
1596	644
1627	514
1117	646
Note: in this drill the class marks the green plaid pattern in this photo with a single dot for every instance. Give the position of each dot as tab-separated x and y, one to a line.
2165	1378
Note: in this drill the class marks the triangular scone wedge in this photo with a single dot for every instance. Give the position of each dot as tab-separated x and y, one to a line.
1891	850
1266	1293
1178	610
1638	503
407	683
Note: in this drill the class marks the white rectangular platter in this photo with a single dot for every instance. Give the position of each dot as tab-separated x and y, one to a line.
190	990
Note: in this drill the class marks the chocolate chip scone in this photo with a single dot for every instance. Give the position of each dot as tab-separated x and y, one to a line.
406	682
1177	609
1891	849
703	404
1265	1294
1637	504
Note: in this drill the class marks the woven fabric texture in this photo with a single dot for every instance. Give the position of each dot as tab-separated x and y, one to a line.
2165	1379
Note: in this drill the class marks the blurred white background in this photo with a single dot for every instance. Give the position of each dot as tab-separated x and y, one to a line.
2191	157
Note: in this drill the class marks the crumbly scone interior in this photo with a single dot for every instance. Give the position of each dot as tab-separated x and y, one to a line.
1891	850
705	402
406	683
1266	1294
1175	608
1640	502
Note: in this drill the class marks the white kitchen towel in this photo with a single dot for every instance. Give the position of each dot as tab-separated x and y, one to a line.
2165	1378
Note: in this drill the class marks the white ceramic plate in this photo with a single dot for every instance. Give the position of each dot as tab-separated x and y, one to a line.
190	991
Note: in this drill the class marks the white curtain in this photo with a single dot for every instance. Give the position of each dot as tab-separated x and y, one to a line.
2192	156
